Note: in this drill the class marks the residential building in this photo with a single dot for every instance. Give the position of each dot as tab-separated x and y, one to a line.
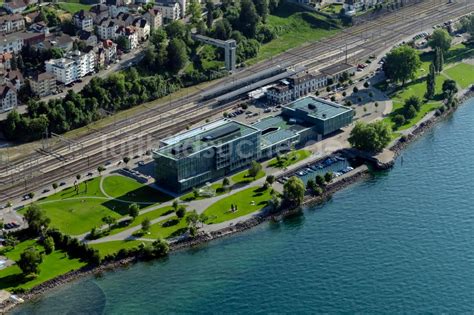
11	23
169	9
39	27
114	10
6	61
110	51
89	38
99	12
15	6
63	41
143	28
43	84
334	72
83	20
15	78
125	19
351	7
11	43
72	67
183	7
107	29
8	97
205	153
131	36
154	18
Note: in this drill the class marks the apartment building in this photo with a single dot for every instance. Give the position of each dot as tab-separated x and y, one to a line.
8	97
43	84
154	18
72	67
83	20
12	23
169	9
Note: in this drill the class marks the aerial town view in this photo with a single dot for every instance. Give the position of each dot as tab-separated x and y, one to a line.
236	156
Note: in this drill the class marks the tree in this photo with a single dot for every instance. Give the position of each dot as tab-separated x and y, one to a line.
100	169
133	210
311	185
274	203
146	224
431	83
372	137
31	195
449	88
29	261
399	120
254	169
175	205
320	181
181	212
222	29
78	176
161	247
293	191
55	186
440	39
262	9
210	12
248	18
409	111
109	220
401	64
270	179
37	219
126	159
328	176
192	220
177	55
225	182
414	101
355	89
195	193
48	244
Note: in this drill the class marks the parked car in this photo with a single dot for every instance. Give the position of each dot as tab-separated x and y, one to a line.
62	184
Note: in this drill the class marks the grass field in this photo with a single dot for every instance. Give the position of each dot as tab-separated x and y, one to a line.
462	73
77	213
110	248
168	228
190	196
244	178
247	201
333	8
73	7
53	265
291	158
294	27
128	189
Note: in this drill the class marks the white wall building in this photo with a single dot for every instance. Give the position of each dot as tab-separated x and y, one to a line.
107	29
169	9
72	67
12	23
84	21
154	18
8	97
11	43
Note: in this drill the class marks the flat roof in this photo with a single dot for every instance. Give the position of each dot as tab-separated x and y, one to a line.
276	129
317	107
212	134
337	68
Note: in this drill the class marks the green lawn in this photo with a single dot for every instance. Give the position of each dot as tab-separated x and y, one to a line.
128	189
294	27
333	8
110	248
138	220
247	201
77	213
244	178
291	158
190	196
168	228
53	265
462	73
72	7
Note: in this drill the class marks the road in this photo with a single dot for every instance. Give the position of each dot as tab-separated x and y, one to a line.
143	131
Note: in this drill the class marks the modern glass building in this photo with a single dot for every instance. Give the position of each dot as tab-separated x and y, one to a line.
219	148
204	154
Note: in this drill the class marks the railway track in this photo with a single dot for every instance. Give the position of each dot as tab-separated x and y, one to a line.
126	132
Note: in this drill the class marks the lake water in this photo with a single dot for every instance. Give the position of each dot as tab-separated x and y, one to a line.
402	241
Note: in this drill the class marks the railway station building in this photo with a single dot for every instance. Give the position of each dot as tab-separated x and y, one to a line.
222	147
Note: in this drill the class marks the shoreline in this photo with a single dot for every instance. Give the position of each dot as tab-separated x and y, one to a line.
360	173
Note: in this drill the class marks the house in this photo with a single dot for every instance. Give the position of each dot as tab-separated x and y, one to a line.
43	84
64	42
169	9
12	23
6	60
107	29
143	28
89	38
115	10
154	18
125	19
11	43
15	6
15	78
8	97
39	27
110	51
99	12
131	36
83	20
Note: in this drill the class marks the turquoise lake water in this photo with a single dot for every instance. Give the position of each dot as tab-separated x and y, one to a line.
402	241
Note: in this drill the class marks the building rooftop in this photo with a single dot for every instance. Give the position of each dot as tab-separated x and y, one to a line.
198	139
317	107
276	129
336	69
